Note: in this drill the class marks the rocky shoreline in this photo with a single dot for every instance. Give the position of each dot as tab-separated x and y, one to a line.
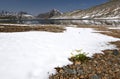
100	66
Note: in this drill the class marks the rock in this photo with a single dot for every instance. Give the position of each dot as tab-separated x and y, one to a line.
70	71
82	77
77	63
61	71
95	76
106	67
115	52
80	72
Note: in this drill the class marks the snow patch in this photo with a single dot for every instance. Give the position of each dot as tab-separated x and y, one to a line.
31	55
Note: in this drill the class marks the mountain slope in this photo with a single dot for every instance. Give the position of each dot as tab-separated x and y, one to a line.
108	10
49	14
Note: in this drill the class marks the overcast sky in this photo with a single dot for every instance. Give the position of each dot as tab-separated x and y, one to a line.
41	6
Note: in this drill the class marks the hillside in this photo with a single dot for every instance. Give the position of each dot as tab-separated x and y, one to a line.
108	10
49	14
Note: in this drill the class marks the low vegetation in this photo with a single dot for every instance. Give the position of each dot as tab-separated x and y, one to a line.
81	56
49	28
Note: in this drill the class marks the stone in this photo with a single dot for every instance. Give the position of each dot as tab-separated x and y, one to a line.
82	77
61	71
95	76
80	72
70	71
115	52
77	63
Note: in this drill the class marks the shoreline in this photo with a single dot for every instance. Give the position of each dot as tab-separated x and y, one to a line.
79	70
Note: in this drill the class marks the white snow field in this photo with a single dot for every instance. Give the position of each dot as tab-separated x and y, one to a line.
31	55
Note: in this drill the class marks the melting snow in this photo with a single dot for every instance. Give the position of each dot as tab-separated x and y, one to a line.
31	55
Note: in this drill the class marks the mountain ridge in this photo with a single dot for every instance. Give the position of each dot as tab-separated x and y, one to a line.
51	13
108	10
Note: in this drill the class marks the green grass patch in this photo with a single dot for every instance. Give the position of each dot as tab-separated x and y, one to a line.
81	56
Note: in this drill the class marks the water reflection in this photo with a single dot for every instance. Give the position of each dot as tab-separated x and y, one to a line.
64	21
90	22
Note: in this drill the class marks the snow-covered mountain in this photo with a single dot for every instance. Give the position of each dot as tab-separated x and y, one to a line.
50	14
108	10
15	15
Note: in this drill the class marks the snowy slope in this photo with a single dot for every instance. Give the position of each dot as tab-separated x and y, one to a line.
31	55
108	10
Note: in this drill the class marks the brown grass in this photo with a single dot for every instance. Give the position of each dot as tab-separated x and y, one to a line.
49	28
111	32
117	43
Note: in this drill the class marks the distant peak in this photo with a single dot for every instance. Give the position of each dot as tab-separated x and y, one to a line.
51	13
54	10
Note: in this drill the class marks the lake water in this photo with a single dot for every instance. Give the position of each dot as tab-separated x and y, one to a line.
64	21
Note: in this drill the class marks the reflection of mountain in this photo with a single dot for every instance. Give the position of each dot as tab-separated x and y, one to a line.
84	22
89	22
27	16
108	10
49	14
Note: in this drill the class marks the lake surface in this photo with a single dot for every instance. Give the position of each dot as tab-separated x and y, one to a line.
65	21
